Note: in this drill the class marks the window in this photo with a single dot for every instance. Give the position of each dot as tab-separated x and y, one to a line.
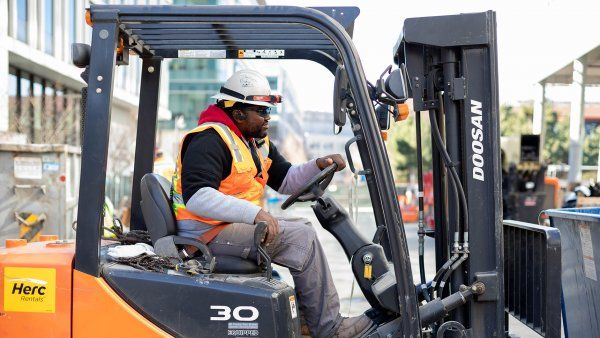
24	115
49	26
13	97
71	25
22	20
41	109
36	105
10	24
48	109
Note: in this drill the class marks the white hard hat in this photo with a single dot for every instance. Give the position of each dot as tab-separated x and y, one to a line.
248	86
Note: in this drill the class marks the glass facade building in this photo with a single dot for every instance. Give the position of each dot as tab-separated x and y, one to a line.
192	83
40	100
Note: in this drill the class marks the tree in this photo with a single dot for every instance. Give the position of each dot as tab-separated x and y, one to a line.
515	120
556	144
590	147
403	147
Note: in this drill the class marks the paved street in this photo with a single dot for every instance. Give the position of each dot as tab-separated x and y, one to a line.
353	303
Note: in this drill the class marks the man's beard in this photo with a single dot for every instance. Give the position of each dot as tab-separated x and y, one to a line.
258	132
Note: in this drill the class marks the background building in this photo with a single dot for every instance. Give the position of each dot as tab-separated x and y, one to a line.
319	134
194	81
40	88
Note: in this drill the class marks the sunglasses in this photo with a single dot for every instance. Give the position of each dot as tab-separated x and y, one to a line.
261	111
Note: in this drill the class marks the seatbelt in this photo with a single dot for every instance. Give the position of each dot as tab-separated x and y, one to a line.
255	158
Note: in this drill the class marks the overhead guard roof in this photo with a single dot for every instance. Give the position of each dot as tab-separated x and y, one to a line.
224	31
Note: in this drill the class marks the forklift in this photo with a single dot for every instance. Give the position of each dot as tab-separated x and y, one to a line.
447	65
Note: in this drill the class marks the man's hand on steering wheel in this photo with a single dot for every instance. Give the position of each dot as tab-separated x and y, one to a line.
325	161
315	187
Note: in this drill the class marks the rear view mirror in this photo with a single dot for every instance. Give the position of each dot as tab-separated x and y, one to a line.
395	85
383	116
80	54
393	89
340	94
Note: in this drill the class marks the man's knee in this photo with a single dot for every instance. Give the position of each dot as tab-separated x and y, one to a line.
305	232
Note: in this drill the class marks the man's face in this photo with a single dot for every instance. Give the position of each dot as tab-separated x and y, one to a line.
256	123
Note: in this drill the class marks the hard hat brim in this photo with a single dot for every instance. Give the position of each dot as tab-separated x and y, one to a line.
222	96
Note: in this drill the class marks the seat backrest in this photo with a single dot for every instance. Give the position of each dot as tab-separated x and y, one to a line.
156	206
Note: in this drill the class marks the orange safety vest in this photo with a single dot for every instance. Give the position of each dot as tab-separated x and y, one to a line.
242	182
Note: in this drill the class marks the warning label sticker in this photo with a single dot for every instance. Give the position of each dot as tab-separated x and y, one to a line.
261	53
293	307
587	249
29	289
201	54
28	168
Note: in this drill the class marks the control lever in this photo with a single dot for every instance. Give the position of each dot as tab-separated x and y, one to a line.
260	233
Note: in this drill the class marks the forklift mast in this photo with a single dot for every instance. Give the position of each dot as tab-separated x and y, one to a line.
451	64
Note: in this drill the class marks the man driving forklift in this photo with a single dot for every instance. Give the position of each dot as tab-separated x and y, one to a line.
222	169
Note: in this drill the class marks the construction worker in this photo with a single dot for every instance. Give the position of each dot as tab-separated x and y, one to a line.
162	165
222	169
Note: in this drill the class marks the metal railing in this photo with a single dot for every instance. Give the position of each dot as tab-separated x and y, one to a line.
532	276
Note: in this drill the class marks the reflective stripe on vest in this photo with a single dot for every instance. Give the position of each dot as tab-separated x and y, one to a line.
241	182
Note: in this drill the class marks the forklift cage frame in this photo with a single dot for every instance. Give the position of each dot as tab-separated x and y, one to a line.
158	32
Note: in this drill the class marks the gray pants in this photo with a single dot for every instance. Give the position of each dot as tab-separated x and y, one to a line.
297	248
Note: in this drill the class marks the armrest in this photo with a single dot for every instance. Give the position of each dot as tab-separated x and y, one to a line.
203	248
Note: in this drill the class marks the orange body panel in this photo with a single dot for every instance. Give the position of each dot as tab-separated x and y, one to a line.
38	256
99	312
410	214
555	183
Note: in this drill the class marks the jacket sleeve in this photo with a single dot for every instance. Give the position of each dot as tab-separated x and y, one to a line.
286	178
297	176
210	203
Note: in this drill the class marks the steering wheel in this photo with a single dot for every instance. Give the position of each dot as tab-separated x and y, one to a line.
313	189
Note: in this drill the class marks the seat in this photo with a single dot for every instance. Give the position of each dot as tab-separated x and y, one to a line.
162	227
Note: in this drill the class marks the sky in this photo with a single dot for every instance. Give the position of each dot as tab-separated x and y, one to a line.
535	38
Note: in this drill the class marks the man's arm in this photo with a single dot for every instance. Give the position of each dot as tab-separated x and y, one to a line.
286	178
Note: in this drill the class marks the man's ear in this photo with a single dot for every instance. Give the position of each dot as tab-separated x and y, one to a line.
239	115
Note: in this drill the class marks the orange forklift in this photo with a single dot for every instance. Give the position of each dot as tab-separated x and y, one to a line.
446	64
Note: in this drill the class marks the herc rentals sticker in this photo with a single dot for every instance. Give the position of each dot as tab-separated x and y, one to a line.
29	289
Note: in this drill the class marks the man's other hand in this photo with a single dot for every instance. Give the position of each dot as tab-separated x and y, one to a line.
326	161
272	224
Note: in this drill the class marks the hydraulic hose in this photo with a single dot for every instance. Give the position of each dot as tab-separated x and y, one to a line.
443	269
459	192
453	174
421	229
454	266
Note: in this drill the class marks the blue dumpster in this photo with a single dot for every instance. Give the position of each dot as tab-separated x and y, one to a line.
580	242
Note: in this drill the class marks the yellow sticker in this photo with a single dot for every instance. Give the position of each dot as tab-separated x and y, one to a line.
293	307
29	289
